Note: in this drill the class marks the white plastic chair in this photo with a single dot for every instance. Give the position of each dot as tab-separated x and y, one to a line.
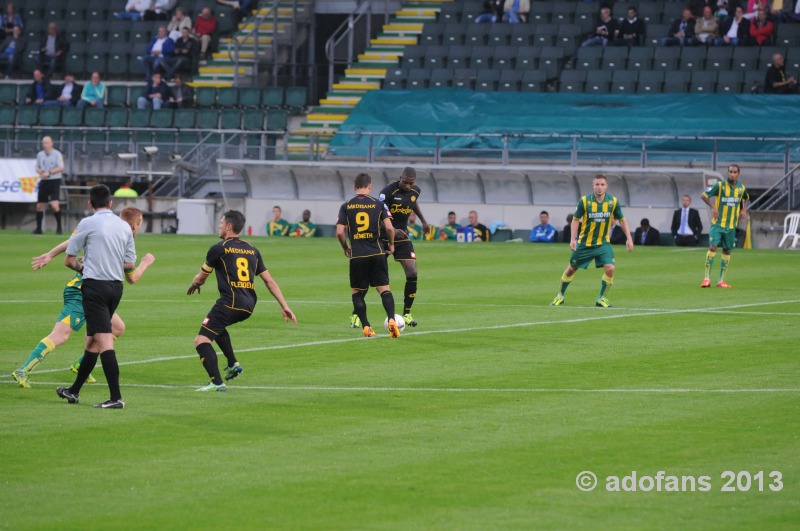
790	224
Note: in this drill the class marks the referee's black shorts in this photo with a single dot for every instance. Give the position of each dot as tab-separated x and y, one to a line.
100	301
219	318
369	271
49	190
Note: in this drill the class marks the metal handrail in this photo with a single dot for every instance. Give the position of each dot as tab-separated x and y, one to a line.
766	201
240	38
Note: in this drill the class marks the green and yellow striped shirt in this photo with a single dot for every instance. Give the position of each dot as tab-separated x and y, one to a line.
728	200
596	218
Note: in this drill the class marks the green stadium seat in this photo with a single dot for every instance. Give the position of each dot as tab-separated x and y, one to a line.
162	118
207	118
184	118
8	94
296	98
228	97
96	63
205	96
272	97
250	97
230	119
277	120
75	63
50	116
28	115
8	114
139	118
72	116
253	120
94	117
117	117
117	96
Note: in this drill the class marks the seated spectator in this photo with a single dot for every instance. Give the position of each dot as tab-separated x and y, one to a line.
126	190
480	231
566	233
776	81
516	11
178	22
241	9
11	50
134	10
698	7
605	30
204	28
781	11
182	94
304	229
646	235
277	226
9	19
183	55
449	231
761	29
631	29
617	235
490	14
40	90
70	93
706	28
159	10
734	30
543	232
412	228
155	95
53	49
681	32
161	49
94	93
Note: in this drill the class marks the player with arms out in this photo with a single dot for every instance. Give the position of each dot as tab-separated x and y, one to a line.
71	319
237	264
363	216
730	204
594	216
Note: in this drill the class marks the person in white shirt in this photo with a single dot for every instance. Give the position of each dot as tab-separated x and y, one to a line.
686	224
70	93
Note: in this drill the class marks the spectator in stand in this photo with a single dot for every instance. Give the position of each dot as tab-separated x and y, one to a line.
161	49
204	28
734	30
480	231
490	14
178	22
706	29
11	50
646	235
543	232
134	10
450	231
94	93
631	29
159	10
605	30
39	91
155	95
52	50
566	233
516	11
9	19
182	94
241	9
70	93
681	32
762	29
776	81
184	54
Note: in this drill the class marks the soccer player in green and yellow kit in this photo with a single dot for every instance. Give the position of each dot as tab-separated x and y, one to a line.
594	216
730	203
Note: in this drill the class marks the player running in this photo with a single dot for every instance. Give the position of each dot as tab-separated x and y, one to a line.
71	319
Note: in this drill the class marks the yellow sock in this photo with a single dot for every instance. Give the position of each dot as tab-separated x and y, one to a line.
38	354
709	260
723	267
605	285
565	280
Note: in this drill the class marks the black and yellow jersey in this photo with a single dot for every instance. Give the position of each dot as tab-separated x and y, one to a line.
400	203
237	264
363	216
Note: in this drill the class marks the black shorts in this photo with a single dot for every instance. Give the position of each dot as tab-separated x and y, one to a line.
369	271
100	301
219	318
49	190
403	250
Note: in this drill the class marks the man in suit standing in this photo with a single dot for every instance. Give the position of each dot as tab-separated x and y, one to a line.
686	224
646	235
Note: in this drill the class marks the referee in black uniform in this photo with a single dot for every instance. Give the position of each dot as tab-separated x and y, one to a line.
237	264
109	255
363	216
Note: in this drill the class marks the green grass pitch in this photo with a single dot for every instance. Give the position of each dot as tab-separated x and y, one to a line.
479	418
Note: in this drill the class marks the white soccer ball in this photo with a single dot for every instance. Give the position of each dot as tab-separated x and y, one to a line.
401	323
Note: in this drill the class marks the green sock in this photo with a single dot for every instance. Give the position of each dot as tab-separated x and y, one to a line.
38	354
565	281
709	262
78	361
723	267
605	286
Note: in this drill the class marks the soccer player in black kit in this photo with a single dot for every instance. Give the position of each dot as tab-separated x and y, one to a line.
363	216
401	199
237	263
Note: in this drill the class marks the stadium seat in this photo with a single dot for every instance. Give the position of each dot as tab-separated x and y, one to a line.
118	30
441	77
541	12
431	33
8	94
703	82
500	34
568	35
522	34
228	97
453	34
418	77
93	117
28	115
458	56
598	81
623	81
730	81
253	121
75	63
464	77
50	115
545	34
550	60
753	80
640	58
655	32
97	11
788	35
272	97
504	57
572	81
116	117
117	95
451	12
481	57
562	13
527	57
719	58
296	98
277	120
139	118
96	63
666	58
435	56
476	34
207	118
676	82
589	58
184	118
510	80
765	55
745	58
162	118
414	56
614	57
486	80
692	58
650	81
205	96
533	81
650	12
395	78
